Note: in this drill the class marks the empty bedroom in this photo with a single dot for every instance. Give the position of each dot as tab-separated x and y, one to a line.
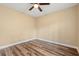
39	29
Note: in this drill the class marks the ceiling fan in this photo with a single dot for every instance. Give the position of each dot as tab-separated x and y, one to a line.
37	5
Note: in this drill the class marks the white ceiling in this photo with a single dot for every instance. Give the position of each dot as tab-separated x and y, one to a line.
23	7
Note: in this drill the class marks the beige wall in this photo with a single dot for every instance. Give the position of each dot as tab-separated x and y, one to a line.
59	26
15	26
78	25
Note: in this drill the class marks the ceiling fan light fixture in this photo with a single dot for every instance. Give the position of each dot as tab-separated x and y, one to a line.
36	5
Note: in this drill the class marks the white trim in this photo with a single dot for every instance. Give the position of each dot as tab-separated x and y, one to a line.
9	45
71	46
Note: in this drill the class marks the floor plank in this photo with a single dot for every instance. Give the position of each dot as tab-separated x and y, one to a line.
38	48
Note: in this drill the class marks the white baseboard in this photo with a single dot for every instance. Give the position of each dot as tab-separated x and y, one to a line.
58	43
9	45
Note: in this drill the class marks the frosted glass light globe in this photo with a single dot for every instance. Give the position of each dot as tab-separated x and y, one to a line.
35	5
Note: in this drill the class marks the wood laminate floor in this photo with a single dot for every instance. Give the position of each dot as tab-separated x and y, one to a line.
38	48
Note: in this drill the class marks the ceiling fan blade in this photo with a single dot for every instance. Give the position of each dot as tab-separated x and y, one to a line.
31	8
44	3
40	9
